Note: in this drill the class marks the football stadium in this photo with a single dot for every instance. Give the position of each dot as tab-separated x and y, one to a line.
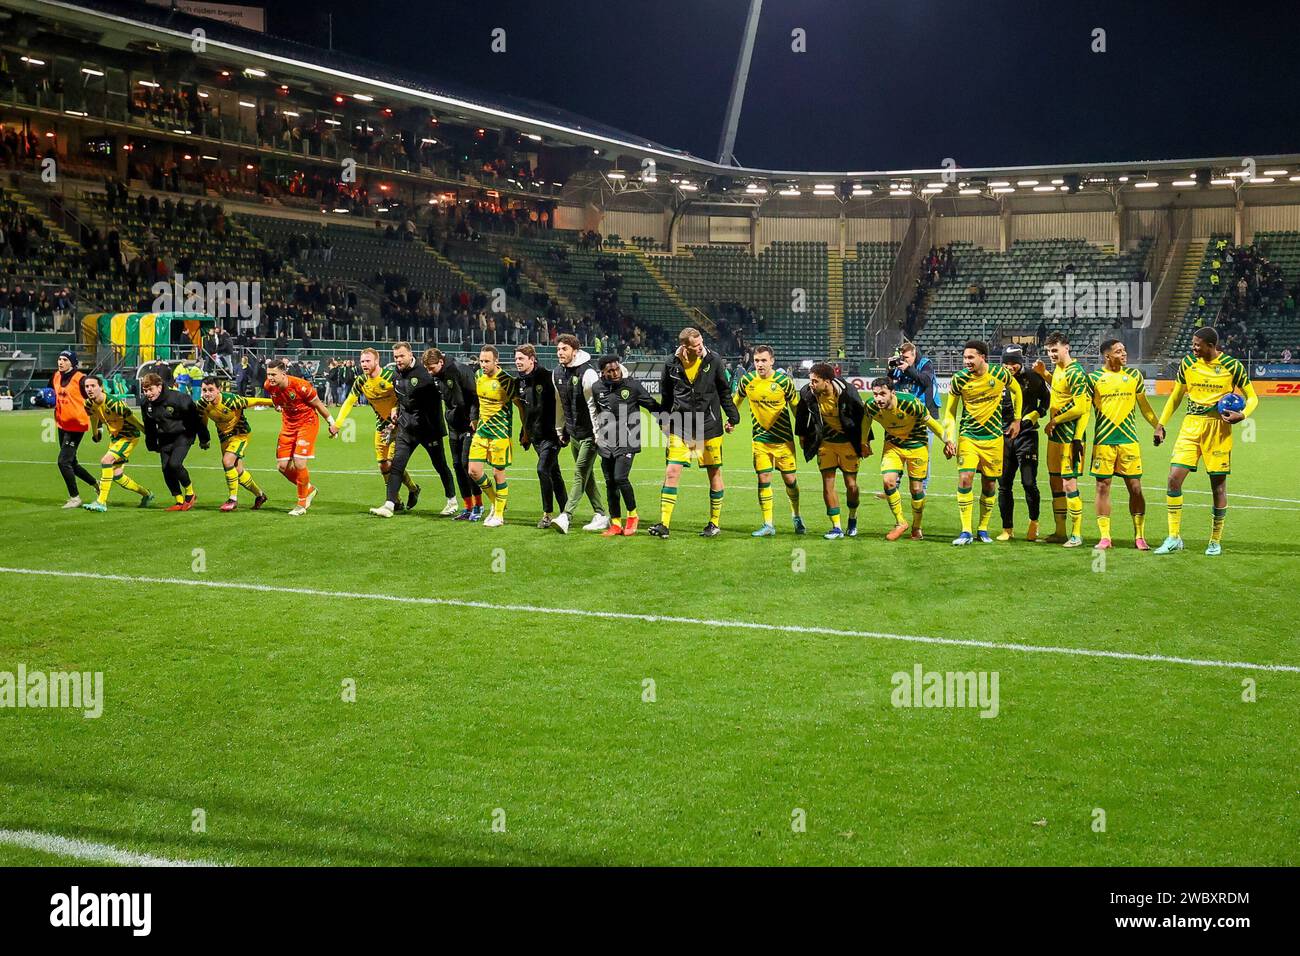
398	472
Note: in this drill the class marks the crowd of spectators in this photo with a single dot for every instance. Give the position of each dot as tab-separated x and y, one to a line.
35	309
19	145
737	325
1244	282
939	264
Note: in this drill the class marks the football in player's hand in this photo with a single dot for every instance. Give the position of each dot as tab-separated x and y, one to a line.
1232	402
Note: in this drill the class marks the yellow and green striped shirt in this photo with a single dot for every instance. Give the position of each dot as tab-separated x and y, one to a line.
115	415
906	423
227	413
1071	399
1115	396
981	400
496	395
770	401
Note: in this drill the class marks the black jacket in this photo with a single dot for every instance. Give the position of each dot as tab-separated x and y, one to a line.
1036	397
459	394
173	416
689	406
618	417
419	403
541	420
573	385
811	428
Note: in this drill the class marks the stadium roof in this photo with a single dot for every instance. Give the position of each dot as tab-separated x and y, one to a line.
121	23
127	21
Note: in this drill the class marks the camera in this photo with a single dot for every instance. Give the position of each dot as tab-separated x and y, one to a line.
896	361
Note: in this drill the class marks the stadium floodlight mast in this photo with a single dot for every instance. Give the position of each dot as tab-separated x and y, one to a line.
727	145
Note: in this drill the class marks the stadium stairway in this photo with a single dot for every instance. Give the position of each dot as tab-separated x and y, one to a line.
1187	278
55	260
835	293
472	283
26	205
529	288
573	271
531	278
91	213
671	292
1193	280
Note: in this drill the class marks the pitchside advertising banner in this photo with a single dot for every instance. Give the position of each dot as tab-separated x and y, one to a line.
1275	370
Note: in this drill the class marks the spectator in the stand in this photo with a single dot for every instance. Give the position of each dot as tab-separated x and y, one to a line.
211	341
243	375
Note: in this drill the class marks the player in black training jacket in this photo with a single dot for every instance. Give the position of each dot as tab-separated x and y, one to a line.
619	401
171	423
419	425
694	393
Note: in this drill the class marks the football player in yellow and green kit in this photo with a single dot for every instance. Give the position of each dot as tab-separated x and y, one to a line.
1204	377
905	420
375	384
1066	428
979	388
1117	393
497	394
226	411
124	431
771	395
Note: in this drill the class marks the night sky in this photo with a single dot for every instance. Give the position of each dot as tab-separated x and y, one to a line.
881	86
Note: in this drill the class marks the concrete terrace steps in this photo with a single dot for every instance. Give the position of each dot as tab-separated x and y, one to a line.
1193	260
835	291
671	292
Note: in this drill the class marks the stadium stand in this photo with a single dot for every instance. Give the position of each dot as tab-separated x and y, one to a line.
866	271
1202	298
708	275
1015	284
46	275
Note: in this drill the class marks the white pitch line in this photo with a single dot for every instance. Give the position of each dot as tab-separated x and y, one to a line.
656	619
86	850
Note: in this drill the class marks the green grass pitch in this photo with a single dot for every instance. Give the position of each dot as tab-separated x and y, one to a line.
498	732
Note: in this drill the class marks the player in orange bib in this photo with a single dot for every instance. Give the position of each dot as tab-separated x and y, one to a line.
299	405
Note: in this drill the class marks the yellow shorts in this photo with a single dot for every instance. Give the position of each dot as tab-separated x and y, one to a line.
915	460
383	449
121	448
1064	459
707	451
768	456
236	445
980	454
837	454
1124	460
1203	436
497	452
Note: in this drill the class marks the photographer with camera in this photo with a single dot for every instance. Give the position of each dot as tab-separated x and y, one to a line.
909	373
